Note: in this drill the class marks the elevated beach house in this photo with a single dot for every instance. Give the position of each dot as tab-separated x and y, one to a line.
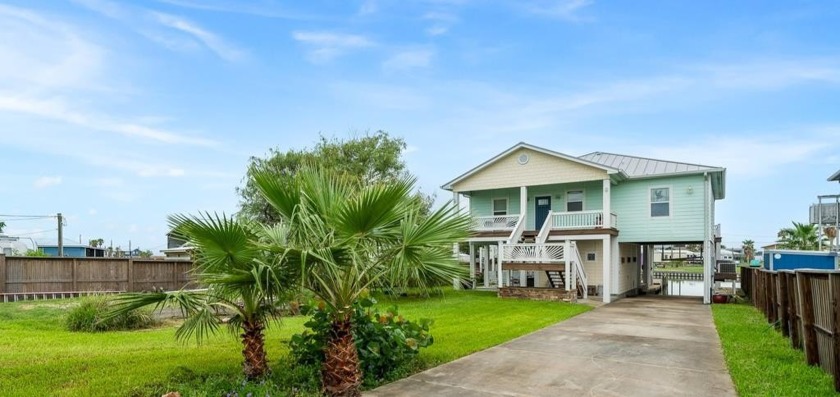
551	225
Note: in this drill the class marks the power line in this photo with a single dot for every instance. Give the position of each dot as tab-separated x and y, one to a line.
35	232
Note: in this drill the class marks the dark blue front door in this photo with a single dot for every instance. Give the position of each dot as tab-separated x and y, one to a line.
543	206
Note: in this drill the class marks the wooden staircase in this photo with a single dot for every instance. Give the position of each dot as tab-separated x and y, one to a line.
557	279
528	236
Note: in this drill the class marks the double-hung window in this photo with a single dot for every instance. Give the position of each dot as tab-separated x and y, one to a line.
500	206
660	201
574	200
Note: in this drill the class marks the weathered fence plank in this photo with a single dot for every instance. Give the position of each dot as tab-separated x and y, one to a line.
809	334
31	276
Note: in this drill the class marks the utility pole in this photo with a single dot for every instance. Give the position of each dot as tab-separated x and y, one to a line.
129	248
60	235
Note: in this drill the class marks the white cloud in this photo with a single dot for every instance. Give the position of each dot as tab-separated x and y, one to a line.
368	7
441	22
409	59
561	9
158	27
57	109
46	181
770	73
92	211
326	46
209	39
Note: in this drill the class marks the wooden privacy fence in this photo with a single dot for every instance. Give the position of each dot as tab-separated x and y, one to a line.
806	306
32	276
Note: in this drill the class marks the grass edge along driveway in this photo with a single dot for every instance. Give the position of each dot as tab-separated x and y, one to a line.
761	361
39	357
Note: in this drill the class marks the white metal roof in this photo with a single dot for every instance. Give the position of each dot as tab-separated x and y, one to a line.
636	167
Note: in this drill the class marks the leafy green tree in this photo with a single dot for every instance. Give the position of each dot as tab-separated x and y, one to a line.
352	237
2	226
242	279
370	158
801	236
146	254
35	253
98	242
749	249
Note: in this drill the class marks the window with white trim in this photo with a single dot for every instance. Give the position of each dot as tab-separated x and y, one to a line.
574	200
500	206
660	201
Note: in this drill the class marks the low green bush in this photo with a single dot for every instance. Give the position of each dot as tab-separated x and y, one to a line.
90	316
387	342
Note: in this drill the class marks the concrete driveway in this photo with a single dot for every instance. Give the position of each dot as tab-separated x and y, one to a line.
634	347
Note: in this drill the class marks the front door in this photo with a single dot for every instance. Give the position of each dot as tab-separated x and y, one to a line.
543	206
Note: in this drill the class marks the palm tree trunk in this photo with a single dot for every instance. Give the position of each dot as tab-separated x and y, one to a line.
341	374
255	364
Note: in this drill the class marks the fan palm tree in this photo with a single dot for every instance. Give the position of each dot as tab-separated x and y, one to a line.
749	250
243	280
801	236
351	238
2	226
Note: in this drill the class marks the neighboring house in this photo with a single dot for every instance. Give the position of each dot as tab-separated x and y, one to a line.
73	250
176	248
587	224
12	245
182	252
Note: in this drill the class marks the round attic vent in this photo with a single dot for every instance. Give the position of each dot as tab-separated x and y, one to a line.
523	158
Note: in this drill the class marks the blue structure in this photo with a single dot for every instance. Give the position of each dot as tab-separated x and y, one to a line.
73	250
792	260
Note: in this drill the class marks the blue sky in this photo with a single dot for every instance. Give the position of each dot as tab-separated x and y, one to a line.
120	113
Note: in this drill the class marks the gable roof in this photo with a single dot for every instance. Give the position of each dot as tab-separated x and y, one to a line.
834	177
639	167
642	167
523	145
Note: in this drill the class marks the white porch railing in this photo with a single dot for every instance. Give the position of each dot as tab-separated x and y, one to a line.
495	223
717	230
548	252
580	220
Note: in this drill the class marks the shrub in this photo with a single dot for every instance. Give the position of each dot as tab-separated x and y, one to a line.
386	342
90	316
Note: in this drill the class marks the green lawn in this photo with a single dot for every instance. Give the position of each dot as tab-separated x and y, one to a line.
761	360
38	357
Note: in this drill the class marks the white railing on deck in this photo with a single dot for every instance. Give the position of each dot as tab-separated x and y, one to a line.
613	220
580	220
495	223
551	252
717	230
518	230
578	273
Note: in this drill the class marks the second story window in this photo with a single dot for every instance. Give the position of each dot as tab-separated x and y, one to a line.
660	201
574	200
500	206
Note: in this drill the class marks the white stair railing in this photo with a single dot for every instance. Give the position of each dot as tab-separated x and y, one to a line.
517	231
579	274
542	236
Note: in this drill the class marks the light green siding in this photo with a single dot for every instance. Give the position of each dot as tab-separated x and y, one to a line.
592	200
631	202
481	202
